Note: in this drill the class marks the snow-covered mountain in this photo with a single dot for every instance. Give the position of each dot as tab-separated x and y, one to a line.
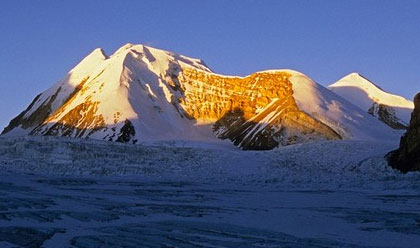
393	110
141	93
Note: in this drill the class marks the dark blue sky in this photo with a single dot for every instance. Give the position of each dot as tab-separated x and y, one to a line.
41	40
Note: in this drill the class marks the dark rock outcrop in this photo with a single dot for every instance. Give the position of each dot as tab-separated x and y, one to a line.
386	114
127	133
407	157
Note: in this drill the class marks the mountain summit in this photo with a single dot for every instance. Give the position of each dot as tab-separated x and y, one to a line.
140	93
391	109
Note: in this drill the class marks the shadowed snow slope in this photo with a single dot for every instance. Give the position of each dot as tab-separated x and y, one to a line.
145	94
393	110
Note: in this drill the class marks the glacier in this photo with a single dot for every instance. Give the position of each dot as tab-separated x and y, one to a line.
66	192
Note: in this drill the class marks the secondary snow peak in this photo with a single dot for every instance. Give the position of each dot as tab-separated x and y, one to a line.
391	109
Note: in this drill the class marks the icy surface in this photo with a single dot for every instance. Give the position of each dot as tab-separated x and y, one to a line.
58	192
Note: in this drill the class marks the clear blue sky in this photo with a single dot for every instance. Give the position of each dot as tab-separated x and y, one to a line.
41	40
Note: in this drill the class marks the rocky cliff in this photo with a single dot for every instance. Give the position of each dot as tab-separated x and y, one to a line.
407	157
255	112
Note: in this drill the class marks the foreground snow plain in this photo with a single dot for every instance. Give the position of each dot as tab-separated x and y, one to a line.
58	192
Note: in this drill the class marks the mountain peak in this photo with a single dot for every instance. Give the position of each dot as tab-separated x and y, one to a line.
356	79
97	56
98	52
354	74
394	110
